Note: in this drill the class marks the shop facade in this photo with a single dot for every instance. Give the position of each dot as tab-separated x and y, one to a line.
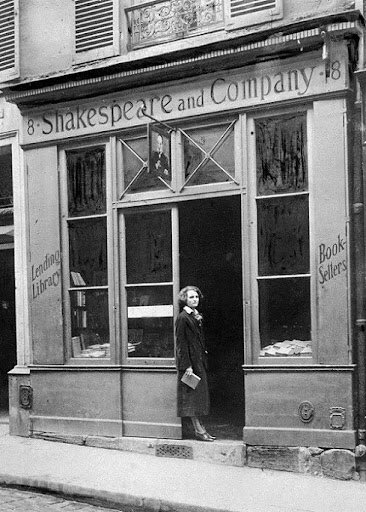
235	181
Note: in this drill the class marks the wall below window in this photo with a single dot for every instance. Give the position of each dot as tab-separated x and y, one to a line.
299	407
76	401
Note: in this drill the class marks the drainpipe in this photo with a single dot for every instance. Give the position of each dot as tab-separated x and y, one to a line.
358	201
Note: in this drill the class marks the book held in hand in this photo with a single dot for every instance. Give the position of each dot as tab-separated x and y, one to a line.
191	380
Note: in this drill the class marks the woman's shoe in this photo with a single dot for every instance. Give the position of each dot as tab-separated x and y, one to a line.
209	435
212	437
203	436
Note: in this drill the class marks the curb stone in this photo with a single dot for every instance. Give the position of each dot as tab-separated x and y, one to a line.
100	497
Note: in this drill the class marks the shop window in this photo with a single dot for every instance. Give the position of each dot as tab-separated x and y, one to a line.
209	155
283	235
282	205
88	252
149	286
87	235
240	13
96	29
9	39
86	182
136	174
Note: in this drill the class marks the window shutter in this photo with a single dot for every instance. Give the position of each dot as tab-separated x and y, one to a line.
243	13
9	39
96	29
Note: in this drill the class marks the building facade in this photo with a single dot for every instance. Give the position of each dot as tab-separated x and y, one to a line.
165	144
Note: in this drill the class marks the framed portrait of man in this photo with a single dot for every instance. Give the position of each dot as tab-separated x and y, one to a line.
160	152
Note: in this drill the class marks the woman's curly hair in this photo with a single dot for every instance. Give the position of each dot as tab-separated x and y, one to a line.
182	296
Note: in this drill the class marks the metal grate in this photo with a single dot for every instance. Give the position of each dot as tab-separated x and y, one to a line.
93	24
176	451
7	34
240	7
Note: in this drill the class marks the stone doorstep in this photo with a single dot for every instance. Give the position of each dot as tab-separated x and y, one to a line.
332	463
230	453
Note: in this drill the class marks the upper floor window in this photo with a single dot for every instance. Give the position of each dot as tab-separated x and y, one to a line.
240	13
96	29
9	35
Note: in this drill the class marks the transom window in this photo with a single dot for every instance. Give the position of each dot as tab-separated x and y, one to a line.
204	155
209	155
137	174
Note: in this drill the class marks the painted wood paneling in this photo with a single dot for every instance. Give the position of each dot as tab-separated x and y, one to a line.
273	398
85	402
329	231
149	404
45	256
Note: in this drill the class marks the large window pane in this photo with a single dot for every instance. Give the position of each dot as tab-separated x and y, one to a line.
284	316
150	321
86	182
136	174
134	156
88	252
90	324
149	296
281	154
149	247
283	235
209	154
151	337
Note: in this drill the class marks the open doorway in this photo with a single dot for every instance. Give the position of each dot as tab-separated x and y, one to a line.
210	258
7	326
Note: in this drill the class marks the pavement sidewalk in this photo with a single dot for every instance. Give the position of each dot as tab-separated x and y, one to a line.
163	484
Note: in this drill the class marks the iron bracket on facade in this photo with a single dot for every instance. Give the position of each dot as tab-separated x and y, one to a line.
170	128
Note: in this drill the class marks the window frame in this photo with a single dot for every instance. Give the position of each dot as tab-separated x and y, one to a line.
103	52
13	72
179	190
124	285
253	355
67	287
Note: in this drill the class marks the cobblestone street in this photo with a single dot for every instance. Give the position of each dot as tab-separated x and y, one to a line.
29	501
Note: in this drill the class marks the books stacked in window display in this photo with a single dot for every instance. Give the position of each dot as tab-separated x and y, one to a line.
99	350
287	348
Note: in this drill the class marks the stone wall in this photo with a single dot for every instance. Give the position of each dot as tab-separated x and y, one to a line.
334	463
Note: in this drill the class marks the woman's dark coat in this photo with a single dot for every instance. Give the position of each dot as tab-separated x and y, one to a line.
191	351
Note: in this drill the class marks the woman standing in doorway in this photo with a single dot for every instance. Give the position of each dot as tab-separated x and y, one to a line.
192	358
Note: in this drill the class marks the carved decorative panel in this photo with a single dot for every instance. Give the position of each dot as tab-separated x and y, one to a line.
156	22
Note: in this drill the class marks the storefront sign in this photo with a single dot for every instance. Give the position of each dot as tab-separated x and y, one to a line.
46	275
251	86
332	260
